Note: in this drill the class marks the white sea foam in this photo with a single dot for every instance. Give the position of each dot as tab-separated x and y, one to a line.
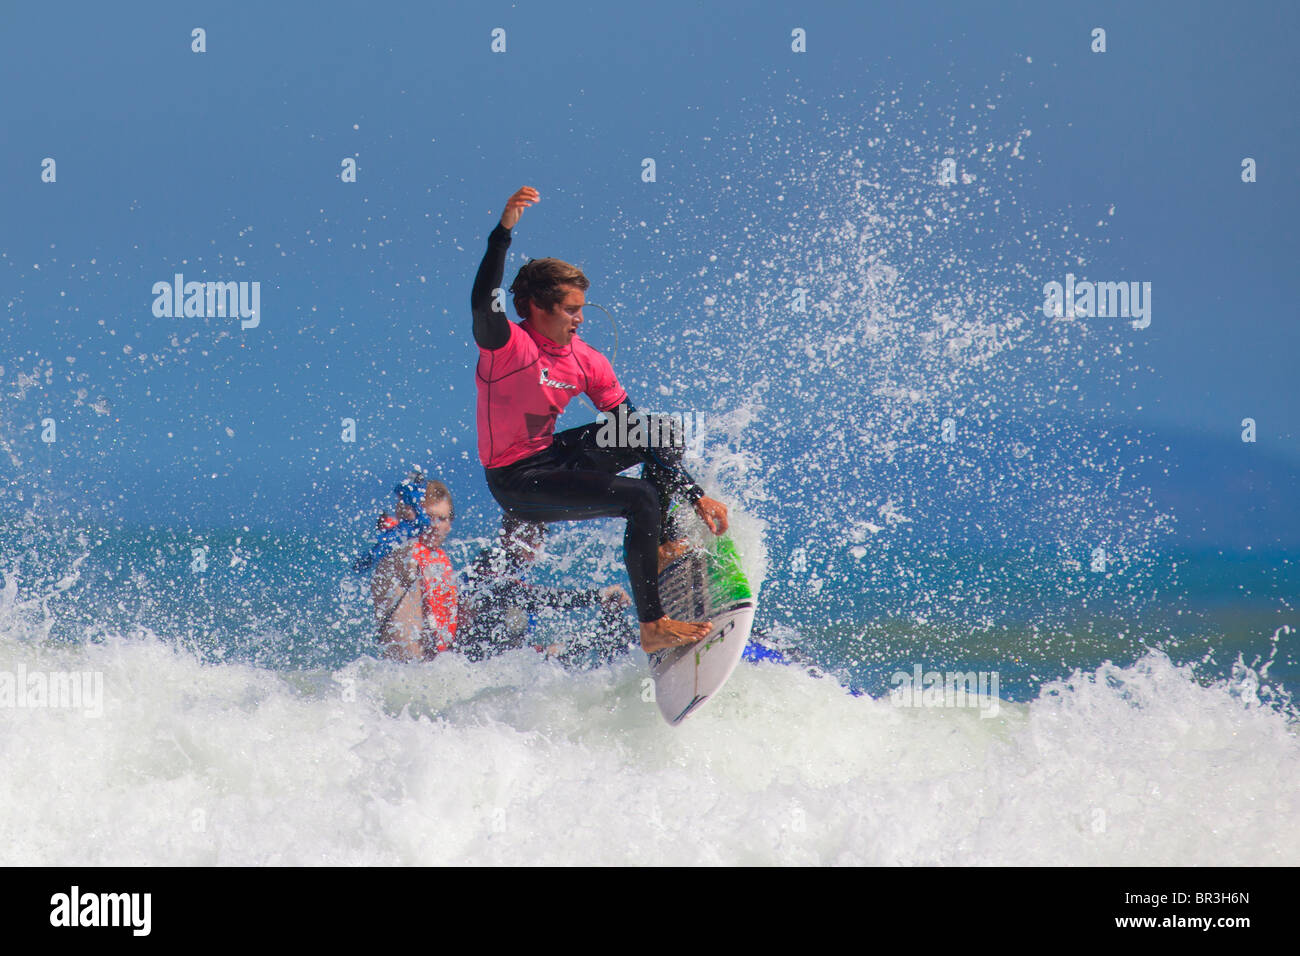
516	760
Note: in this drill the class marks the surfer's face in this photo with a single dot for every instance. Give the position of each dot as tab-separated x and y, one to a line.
560	322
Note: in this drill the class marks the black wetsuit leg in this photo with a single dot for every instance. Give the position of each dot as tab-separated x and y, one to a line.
576	479
661	464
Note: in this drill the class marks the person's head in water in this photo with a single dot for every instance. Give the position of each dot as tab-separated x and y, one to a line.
435	498
441	511
520	542
550	294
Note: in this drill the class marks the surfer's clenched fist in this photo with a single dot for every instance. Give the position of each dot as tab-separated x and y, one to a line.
516	205
713	513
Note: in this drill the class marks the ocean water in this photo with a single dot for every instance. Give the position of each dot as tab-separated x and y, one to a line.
245	719
926	475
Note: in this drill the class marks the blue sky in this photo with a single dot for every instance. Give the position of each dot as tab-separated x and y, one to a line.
225	165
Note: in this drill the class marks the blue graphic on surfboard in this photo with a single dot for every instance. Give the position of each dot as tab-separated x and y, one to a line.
702	585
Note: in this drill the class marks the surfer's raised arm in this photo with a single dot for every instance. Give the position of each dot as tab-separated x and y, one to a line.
492	328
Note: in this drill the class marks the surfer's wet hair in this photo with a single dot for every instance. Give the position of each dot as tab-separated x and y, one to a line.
540	282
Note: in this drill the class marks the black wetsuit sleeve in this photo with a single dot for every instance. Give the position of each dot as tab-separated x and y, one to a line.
669	460
491	329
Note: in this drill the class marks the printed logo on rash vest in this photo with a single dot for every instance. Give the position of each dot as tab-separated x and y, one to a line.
552	383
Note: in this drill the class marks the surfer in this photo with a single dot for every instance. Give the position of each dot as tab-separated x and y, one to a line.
498	607
527	373
414	625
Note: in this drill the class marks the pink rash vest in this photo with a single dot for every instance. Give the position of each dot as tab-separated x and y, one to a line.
524	385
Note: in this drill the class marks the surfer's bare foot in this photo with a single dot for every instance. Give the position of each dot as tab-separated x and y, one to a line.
665	633
671	551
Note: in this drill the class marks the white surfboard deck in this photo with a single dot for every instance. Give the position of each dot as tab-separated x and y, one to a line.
702	585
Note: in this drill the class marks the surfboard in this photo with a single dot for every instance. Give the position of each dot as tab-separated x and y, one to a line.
702	585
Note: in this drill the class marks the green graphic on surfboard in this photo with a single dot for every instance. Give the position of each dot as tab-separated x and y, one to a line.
702	585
